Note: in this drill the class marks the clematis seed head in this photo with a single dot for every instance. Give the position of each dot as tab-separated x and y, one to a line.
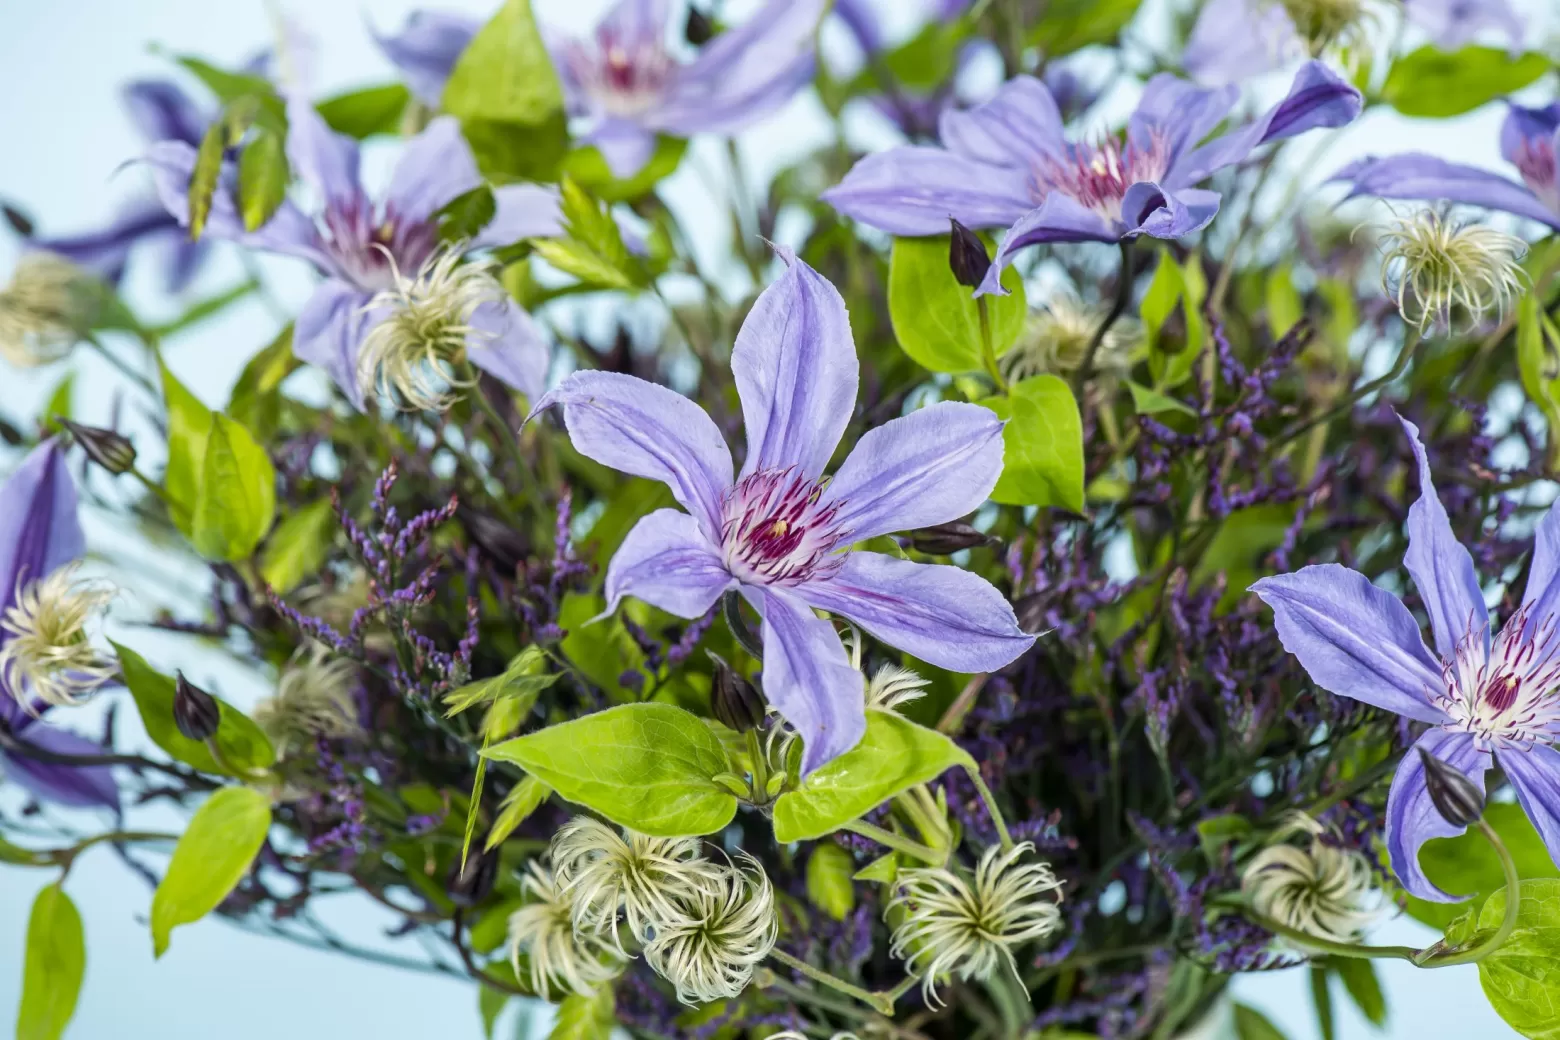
1310	883
45	647
46	309
1435	268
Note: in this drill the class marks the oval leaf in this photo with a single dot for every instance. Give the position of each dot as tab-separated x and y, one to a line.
936	319
585	1018
55	960
262	178
829	871
1043	445
1522	977
244	745
299	545
223	839
236	501
1432	83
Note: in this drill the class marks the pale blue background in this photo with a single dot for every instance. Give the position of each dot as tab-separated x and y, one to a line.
62	137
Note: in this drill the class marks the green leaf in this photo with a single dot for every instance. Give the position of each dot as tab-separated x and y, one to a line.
52	967
585	1018
1251	1024
491	1002
222	840
936	320
894	755
189	422
1043	442
508	98
643	766
518	804
593	249
589	169
244	745
882	870
601	650
1433	83
461	218
236	501
1072	24
1173	324
262	178
829	871
59	403
1284	307
205	176
521	680
1522	977
299	546
1359	978
231	87
1321	1002
1214	832
364	113
1146	401
1467	866
256	401
1538	359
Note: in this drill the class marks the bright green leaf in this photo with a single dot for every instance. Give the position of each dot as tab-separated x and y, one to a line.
1522	977
1359	978
1173	324
461	218
1433	83
1321	1001
518	804
1043	442
262	178
491	1002
894	755
882	870
244	746
189	423
256	399
297	549
205	176
1251	1024
363	113
829	870
230	87
592	248
644	766
1284	307
1216	831
936	320
236	501
589	169
585	1018
1147	401
1467	865
222	840
1068	25
52	967
59	403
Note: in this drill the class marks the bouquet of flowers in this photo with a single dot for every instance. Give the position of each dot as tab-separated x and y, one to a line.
1045	567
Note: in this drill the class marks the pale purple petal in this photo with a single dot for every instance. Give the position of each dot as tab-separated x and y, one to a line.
1453	24
931	466
1060	218
1318	97
795	367
1541	598
1535	773
860	17
106	251
81	787
808	678
39	528
1152	209
1235	40
1441	567
1413	820
510	346
329	332
522	211
945	615
1173	115
1526	129
626	146
668	562
322	159
1017	127
426	49
435	167
1354	639
744	73
913	190
631	22
162	111
1414	175
650	431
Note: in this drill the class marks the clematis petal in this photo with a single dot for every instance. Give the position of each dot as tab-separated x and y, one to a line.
1174	115
744	73
162	111
1235	40
435	167
931	466
631	22
1060	218
668	562
509	346
1535	773
1354	639
1453	24
1439	564
945	615
808	678
81	787
1525	130
426	49
521	211
1413	820
329	331
39	528
795	367
1414	175
1542	595
914	190
323	159
106	251
1162	213
625	146
645	429
1018	126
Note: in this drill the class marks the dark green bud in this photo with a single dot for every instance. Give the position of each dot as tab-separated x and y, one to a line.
944	539
112	451
967	256
734	700
1457	798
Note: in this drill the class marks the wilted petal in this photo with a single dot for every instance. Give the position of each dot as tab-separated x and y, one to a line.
914	190
435	167
1060	218
746	72
426	49
510	346
1414	175
1154	210
323	159
1234	40
1413	820
1018	126
1535	773
1542	595
1439	564
1354	639
667	561
329	331
931	466
645	429
625	146
81	787
808	678
795	366
522	211
162	111
1453	24
945	615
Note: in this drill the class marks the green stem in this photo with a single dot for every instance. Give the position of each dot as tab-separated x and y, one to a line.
66	857
1508	923
760	768
991	804
502	431
897	842
988	353
1337	949
878	1002
1123	297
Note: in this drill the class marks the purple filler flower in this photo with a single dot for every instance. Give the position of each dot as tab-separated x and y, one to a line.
1008	163
1483	699
39	533
1529	140
359	247
779	532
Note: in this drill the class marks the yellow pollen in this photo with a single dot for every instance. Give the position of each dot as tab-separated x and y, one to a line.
780	527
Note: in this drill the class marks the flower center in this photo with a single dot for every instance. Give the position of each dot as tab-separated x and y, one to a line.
1098	175
774	532
1536	163
369	252
1510	696
623	77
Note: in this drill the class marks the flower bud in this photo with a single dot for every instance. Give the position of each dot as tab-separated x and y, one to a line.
698	29
944	539
469	886
734	700
112	451
195	712
1457	798
967	256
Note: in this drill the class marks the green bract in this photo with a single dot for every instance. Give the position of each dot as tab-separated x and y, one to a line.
215	853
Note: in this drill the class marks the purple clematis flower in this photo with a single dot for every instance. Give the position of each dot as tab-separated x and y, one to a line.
39	533
1529	140
426	49
1008	164
1487	701
359	247
779	532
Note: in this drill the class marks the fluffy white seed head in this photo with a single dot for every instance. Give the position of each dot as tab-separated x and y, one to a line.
46	649
1437	269
891	685
46	308
411	357
1332	24
721	933
1303	881
1056	340
953	924
559	958
313	698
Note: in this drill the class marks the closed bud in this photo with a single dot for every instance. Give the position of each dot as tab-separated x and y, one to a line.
469	885
944	539
967	256
1457	798
112	451
195	712
698	29
736	703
